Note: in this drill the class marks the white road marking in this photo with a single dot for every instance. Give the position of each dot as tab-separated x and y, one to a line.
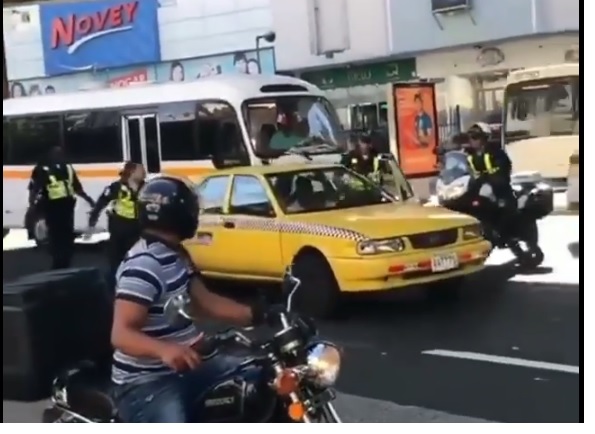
502	360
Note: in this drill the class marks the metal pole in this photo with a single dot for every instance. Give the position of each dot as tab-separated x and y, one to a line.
258	52
5	93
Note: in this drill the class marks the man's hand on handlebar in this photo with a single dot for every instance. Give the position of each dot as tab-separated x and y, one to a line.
181	357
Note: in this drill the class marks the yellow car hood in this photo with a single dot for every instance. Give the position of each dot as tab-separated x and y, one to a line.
387	220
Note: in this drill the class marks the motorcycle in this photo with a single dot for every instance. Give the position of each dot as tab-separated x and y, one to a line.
459	190
288	377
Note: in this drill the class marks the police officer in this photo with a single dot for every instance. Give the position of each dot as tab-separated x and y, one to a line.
53	188
491	162
123	219
364	159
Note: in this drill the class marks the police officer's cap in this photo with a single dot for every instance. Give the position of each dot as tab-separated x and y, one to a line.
169	204
480	128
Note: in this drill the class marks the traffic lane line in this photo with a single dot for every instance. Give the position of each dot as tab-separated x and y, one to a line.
486	391
529	321
503	360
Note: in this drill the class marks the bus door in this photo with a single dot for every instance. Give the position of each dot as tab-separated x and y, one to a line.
143	141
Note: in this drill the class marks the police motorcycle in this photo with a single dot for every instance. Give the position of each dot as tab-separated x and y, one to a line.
288	377
459	190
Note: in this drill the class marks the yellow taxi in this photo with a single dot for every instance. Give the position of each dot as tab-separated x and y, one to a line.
341	232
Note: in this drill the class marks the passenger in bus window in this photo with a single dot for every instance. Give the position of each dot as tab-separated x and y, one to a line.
53	188
122	217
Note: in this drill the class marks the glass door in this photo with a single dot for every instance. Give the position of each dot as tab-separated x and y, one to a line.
143	141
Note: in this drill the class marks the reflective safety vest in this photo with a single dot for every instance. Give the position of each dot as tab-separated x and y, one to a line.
125	205
375	174
59	189
487	161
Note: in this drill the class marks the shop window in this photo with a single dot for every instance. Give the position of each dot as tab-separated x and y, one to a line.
93	137
31	138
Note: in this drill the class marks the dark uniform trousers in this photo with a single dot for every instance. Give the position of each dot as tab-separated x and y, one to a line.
122	221
59	217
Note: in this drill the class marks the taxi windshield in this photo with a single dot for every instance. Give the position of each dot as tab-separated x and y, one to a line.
316	190
454	166
285	124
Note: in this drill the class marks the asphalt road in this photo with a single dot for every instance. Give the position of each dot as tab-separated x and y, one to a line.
409	359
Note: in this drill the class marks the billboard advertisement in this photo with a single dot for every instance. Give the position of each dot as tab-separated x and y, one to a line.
98	35
239	62
417	132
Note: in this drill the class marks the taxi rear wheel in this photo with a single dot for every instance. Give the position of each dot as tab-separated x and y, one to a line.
319	295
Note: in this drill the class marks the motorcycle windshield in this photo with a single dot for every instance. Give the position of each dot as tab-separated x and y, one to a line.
454	166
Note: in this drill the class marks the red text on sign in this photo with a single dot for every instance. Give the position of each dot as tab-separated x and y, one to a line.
66	30
140	76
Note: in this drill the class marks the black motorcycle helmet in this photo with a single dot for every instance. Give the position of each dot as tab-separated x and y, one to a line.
168	204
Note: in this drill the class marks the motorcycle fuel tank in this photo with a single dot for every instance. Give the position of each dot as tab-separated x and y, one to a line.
244	396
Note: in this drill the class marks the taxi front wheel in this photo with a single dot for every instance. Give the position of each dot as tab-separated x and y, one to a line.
319	294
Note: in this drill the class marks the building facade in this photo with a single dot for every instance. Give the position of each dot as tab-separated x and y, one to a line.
352	48
68	46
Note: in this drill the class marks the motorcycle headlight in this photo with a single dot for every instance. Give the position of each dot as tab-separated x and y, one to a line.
376	247
324	364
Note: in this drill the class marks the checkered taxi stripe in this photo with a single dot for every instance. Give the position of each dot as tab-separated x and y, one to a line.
273	225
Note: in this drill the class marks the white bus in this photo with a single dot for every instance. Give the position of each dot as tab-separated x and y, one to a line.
541	120
173	128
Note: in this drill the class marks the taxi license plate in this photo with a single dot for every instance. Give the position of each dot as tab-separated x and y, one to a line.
441	263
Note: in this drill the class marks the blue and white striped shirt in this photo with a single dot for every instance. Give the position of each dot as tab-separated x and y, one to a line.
150	274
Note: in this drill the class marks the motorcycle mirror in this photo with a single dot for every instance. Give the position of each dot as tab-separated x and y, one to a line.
290	286
178	307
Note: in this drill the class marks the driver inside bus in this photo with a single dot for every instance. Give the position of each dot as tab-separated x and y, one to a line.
288	130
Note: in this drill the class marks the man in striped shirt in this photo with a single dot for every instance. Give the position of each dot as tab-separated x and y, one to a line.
156	369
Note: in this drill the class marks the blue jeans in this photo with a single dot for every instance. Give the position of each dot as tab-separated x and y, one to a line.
167	399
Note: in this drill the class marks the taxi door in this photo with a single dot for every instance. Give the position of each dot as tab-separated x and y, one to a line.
207	248
251	231
393	179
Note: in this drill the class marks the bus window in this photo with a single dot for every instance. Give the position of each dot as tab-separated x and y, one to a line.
32	138
6	138
179	133
93	137
219	133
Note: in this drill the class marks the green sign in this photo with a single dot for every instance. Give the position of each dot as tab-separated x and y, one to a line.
361	75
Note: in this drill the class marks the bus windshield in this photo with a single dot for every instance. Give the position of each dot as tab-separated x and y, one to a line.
283	124
542	108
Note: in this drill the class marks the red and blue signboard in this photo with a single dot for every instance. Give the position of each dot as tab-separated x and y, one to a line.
97	35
